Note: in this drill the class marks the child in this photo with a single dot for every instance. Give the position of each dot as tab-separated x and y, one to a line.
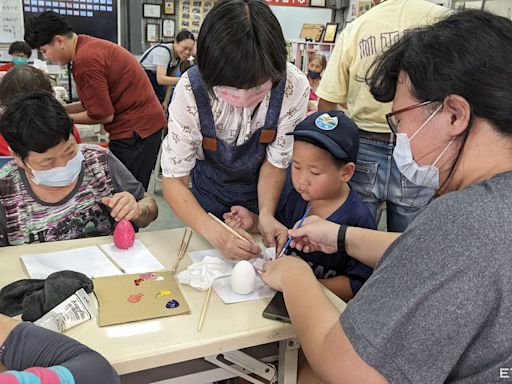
324	156
316	66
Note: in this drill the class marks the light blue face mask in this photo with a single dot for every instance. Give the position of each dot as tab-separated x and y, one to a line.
420	175
59	176
19	60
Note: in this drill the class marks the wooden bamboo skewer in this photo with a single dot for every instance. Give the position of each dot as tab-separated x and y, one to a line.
227	227
209	293
205	307
182	250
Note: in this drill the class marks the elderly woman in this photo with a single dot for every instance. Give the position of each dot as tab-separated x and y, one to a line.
437	308
55	189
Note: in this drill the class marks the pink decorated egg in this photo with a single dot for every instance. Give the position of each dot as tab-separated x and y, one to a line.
124	235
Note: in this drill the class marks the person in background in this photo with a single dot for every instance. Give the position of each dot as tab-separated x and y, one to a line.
324	156
113	90
377	178
161	61
19	80
316	66
228	120
55	189
437	306
34	354
20	52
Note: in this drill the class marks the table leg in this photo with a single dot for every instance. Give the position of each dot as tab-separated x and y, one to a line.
288	355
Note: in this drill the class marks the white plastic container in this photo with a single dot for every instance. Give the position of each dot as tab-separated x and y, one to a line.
73	311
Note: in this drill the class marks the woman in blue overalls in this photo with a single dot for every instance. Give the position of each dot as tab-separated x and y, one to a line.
227	125
161	60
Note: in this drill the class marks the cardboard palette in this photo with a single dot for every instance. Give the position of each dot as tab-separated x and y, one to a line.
135	297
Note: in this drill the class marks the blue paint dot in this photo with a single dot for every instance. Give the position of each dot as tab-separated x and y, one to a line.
172	304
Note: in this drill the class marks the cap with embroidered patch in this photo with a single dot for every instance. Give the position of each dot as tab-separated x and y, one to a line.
332	131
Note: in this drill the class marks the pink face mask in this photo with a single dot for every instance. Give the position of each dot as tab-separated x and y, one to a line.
244	98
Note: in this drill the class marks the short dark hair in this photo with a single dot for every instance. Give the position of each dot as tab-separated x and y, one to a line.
35	122
241	45
467	54
21	79
20	47
41	29
339	163
184	35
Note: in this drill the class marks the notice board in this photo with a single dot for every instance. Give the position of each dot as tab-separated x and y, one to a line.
11	21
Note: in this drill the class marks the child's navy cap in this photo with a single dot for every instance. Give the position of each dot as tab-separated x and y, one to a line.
332	131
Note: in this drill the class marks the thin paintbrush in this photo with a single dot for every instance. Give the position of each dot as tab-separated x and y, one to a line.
290	238
227	227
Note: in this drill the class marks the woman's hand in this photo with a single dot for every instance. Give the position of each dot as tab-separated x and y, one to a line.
315	234
231	246
273	233
123	206
273	272
241	217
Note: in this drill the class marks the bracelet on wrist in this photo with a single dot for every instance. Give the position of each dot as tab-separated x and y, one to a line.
341	238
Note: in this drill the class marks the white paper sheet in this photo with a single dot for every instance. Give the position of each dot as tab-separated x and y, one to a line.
136	259
222	286
88	260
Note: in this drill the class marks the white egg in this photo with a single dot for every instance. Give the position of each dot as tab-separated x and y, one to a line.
243	278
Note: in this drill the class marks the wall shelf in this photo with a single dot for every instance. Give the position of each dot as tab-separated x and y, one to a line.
301	51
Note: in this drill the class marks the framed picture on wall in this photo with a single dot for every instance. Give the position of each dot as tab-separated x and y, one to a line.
330	32
317	3
152	33
311	32
169	7
168	28
152	10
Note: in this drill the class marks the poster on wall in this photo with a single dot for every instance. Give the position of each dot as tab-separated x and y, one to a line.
364	6
192	13
169	7
168	28
152	33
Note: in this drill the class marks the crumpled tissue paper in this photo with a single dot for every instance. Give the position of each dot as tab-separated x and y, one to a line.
201	274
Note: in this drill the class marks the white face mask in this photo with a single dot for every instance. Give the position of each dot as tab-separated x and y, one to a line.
59	176
420	175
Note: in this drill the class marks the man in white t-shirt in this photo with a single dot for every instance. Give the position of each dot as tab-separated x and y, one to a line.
377	178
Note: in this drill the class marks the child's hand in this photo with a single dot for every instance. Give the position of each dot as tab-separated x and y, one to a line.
273	233
241	217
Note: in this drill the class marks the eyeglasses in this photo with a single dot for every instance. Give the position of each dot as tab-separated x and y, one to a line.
391	117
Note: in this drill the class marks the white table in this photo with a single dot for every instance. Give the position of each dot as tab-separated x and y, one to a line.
144	345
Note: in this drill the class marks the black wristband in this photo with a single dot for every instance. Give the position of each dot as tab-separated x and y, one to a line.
341	238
